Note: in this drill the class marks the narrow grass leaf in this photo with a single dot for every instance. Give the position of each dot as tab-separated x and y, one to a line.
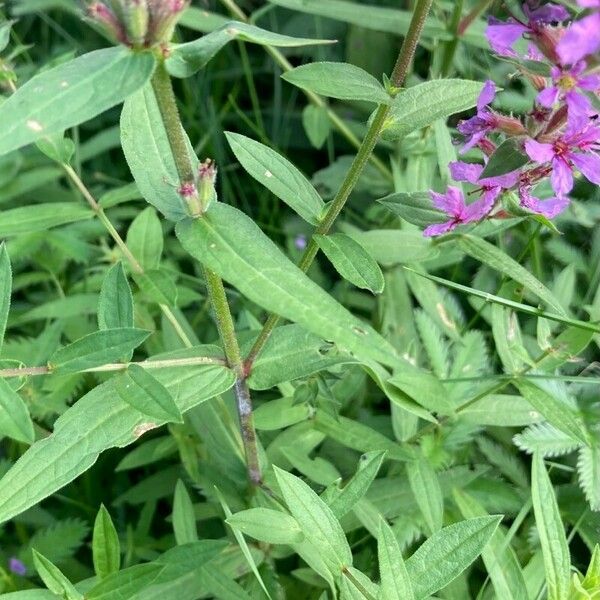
551	531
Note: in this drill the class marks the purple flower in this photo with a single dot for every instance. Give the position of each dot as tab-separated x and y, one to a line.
567	83
485	121
578	146
453	204
300	241
502	35
16	566
549	207
581	39
491	186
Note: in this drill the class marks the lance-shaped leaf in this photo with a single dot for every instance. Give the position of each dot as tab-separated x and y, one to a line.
352	261
148	154
232	245
447	553
125	583
184	521
15	421
508	156
338	80
555	549
115	304
72	93
96	349
395	581
54	578
96	422
415	207
426	489
316	520
266	525
278	175
41	217
5	290
143	391
187	59
106	550
425	103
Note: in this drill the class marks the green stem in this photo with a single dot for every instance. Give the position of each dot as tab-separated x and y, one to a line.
165	98
313	98
361	159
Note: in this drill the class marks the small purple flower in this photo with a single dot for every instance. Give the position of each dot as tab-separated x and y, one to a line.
581	39
300	242
549	208
485	121
491	186
567	86
578	146
502	35
453	204
16	566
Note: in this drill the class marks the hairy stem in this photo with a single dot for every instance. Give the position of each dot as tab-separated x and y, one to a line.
313	98
365	151
165	97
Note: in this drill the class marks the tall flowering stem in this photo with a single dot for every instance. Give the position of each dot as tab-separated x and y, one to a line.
165	97
361	159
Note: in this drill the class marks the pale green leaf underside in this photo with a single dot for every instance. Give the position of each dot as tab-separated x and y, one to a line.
98	421
71	93
231	244
187	59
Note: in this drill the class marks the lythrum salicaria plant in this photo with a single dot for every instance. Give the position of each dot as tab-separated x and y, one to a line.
333	375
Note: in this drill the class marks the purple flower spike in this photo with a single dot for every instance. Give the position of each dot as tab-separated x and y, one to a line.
581	39
567	86
548	208
485	121
578	146
16	566
453	204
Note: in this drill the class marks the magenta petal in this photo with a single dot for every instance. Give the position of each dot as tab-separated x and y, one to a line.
439	228
549	208
480	208
462	171
538	152
502	181
548	97
502	36
590	83
589	165
562	177
589	3
580	39
452	202
488	93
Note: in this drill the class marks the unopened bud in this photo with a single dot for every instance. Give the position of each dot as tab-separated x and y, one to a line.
164	17
546	39
510	125
106	21
137	21
207	175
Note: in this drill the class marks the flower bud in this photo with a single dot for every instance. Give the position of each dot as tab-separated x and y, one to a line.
137	17
207	175
106	20
509	125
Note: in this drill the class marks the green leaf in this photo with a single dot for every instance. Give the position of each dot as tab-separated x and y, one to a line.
588	469
500	261
266	525
498	557
427	492
316	123
149	156
98	421
507	157
145	238
184	521
357	487
279	414
54	579
278	175
231	244
157	286
394	246
115	304
338	80
106	550
425	103
72	93
140	389
125	583
57	147
187	59
5	28
316	520
15	421
447	553
395	580
41	217
414	207
557	413
352	261
96	349
551	531
5	290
